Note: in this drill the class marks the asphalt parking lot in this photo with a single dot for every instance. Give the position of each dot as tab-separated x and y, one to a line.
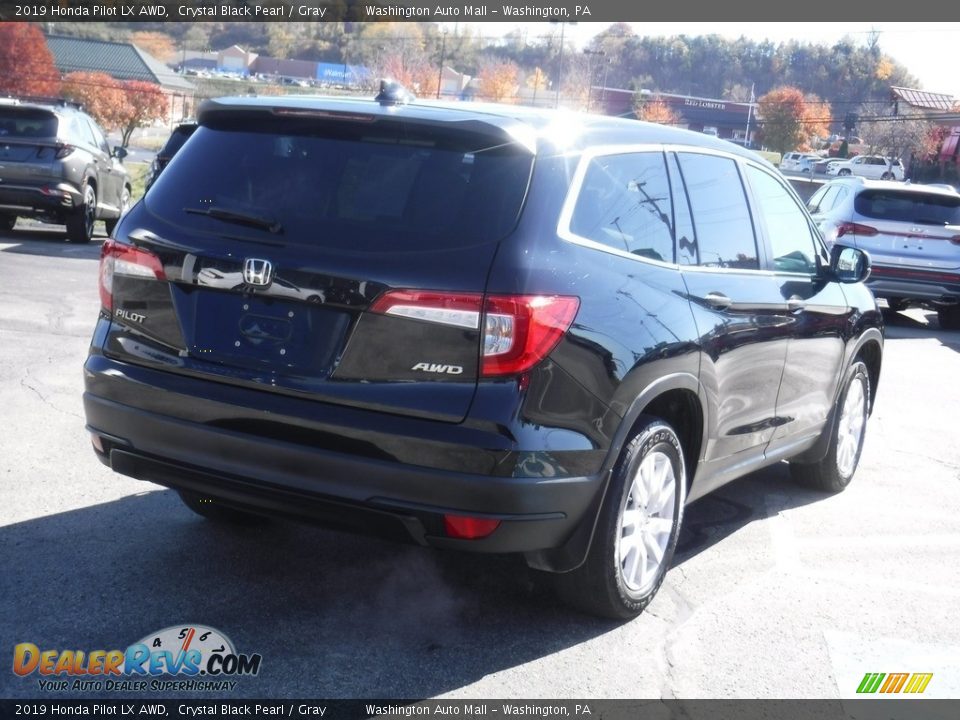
776	591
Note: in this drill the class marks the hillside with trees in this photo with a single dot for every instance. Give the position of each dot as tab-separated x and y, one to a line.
845	73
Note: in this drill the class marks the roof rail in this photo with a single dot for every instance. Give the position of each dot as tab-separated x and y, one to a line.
42	100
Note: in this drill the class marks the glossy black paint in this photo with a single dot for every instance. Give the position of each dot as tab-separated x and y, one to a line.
197	394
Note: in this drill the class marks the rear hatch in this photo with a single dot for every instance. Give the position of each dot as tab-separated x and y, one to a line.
907	228
332	255
28	144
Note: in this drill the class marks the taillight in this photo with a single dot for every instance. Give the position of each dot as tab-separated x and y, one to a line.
126	260
457	309
521	330
63	151
518	330
850	228
955	239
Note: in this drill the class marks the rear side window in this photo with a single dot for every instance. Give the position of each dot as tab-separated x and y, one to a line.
624	203
27	123
912	207
721	217
177	138
381	186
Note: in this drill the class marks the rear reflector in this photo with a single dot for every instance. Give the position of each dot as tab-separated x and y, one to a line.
518	330
117	259
464	527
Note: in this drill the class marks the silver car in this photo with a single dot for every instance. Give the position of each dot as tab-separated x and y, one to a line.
912	233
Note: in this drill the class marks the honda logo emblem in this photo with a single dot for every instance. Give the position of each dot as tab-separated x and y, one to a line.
257	272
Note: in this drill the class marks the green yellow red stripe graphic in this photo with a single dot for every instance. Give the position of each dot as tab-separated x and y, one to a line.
894	683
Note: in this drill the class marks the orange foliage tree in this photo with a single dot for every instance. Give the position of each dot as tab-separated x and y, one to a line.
158	44
656	110
100	95
26	64
499	81
143	103
789	119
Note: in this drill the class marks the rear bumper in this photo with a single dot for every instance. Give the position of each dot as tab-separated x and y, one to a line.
18	198
349	489
931	286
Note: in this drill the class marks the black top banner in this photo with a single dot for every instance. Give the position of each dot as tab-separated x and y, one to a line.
558	11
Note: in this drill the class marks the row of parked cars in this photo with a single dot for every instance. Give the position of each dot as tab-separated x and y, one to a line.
875	167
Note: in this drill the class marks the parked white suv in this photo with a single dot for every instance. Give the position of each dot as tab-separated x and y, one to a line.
798	161
874	167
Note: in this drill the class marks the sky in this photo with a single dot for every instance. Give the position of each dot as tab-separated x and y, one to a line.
928	50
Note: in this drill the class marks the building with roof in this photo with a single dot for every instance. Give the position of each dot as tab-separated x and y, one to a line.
122	61
723	118
917	101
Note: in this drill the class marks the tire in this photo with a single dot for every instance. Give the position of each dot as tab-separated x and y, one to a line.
619	578
835	471
888	176
844	172
949	317
112	223
210	509
80	221
7	222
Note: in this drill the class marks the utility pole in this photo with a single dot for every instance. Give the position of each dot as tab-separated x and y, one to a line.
556	102
590	53
443	49
746	140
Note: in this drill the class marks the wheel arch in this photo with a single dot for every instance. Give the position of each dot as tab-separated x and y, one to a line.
678	400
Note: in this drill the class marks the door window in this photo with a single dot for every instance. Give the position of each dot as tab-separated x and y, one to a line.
791	239
721	217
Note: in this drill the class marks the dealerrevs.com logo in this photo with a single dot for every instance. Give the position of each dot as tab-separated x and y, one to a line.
202	658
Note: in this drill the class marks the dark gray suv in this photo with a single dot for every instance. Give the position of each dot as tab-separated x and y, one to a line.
56	166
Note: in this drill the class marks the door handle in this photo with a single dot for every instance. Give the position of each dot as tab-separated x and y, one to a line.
718	301
796	303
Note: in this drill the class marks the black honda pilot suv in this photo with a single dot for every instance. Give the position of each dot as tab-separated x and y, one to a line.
475	327
56	166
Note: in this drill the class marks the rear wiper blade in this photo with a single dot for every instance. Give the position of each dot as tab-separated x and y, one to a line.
233	216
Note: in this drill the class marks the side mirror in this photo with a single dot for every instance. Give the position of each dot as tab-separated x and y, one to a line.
120	152
849	265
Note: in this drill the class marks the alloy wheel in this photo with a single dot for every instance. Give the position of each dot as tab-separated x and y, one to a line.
646	522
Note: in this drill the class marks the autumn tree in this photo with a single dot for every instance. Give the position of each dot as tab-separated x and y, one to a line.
789	120
655	109
499	81
143	103
158	44
26	64
101	95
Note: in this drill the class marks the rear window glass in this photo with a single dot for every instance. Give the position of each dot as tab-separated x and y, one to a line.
27	123
366	187
911	207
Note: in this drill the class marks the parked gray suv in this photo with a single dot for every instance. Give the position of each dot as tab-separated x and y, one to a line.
56	166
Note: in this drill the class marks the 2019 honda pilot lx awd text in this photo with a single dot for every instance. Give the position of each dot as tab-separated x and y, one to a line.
56	166
484	328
